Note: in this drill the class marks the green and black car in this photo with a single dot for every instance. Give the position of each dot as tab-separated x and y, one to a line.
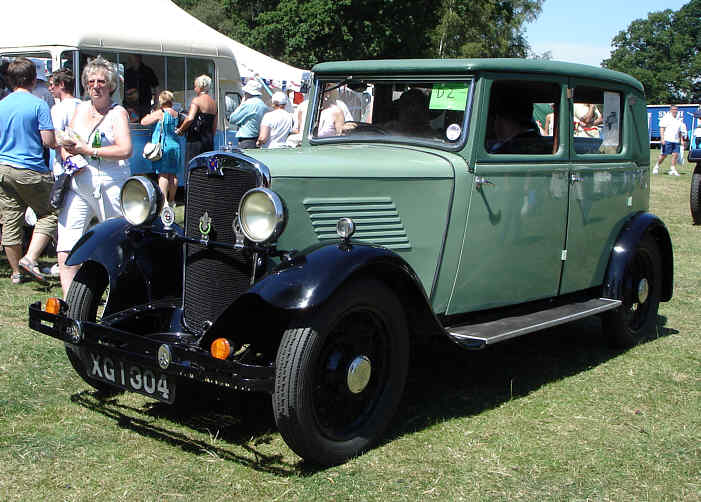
476	199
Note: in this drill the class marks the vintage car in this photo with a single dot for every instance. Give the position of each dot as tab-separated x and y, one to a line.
425	201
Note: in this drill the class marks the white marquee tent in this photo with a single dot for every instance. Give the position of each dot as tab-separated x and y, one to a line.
153	26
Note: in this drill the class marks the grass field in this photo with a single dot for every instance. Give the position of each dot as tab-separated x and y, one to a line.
553	416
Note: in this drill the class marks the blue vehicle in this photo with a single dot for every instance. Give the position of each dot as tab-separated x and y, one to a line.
656	112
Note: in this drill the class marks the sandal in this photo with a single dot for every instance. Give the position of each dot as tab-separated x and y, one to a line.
16	278
32	269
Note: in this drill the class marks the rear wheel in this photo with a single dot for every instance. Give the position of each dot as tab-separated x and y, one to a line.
695	196
341	373
85	300
635	320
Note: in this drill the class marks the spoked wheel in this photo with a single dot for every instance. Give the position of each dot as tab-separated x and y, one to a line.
695	195
341	375
86	298
635	320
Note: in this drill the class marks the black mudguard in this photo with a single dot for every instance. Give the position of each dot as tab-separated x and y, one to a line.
313	275
141	264
623	252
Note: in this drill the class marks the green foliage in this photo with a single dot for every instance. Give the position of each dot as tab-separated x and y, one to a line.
305	32
483	28
662	52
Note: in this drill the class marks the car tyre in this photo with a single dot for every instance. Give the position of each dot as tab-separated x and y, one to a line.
340	373
83	299
695	196
636	319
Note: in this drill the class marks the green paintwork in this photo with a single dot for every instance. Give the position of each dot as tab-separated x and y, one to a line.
399	197
474	248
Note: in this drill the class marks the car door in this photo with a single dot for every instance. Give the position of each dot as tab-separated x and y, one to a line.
515	230
605	182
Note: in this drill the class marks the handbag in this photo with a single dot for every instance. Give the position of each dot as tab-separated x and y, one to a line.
62	182
154	151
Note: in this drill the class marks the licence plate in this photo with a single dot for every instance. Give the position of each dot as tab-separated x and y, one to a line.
129	376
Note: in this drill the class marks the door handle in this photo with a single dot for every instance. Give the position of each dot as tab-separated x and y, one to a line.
576	178
481	180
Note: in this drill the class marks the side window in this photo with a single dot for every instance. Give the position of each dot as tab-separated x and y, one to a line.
523	118
597	119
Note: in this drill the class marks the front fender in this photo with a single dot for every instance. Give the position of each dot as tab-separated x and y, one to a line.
141	264
624	250
314	274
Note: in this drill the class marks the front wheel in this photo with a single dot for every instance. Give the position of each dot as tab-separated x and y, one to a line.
636	319
695	196
85	299
341	372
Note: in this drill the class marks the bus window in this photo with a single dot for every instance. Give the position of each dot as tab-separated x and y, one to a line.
195	68
176	81
144	78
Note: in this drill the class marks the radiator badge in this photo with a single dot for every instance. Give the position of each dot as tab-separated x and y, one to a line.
214	167
205	226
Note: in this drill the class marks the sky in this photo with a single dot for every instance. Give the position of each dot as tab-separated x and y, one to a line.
581	32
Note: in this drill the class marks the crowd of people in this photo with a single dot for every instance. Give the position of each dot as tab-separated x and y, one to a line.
92	144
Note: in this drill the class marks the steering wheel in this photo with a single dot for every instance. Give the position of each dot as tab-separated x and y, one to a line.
362	127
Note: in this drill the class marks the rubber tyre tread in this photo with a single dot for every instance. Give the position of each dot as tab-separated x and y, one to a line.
296	354
83	294
614	323
695	196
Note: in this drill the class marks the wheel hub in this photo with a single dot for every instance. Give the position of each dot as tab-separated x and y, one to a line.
643	290
359	372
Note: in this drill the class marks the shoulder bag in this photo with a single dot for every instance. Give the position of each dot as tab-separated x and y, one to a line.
154	151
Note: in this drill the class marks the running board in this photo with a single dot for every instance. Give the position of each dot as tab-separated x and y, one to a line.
477	336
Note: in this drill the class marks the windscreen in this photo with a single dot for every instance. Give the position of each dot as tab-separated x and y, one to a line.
396	111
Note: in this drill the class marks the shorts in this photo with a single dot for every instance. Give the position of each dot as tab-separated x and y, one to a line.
19	189
669	148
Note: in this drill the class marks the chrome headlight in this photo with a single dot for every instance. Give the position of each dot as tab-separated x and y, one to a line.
140	200
261	214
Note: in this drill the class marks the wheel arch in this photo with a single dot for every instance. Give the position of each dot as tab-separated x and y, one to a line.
623	251
141	266
308	281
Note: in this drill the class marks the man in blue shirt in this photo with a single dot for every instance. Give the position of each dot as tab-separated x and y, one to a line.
249	114
25	180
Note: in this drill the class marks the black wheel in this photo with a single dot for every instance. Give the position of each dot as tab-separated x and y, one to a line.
85	301
695	196
636	319
341	373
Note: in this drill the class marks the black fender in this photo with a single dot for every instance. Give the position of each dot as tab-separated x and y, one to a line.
313	275
141	264
624	249
308	279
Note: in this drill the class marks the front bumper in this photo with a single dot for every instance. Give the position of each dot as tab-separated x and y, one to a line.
188	360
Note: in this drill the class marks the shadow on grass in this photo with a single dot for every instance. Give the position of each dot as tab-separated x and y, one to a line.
444	382
217	421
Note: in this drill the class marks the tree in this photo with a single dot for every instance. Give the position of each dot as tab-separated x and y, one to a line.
662	52
304	32
483	28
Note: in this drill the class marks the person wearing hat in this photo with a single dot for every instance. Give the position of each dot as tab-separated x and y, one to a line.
249	115
276	125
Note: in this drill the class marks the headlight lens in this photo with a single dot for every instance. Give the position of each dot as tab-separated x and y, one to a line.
262	214
139	200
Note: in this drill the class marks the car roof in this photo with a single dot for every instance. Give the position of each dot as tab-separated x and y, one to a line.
390	67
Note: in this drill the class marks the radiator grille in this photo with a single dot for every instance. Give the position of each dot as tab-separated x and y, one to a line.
214	277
